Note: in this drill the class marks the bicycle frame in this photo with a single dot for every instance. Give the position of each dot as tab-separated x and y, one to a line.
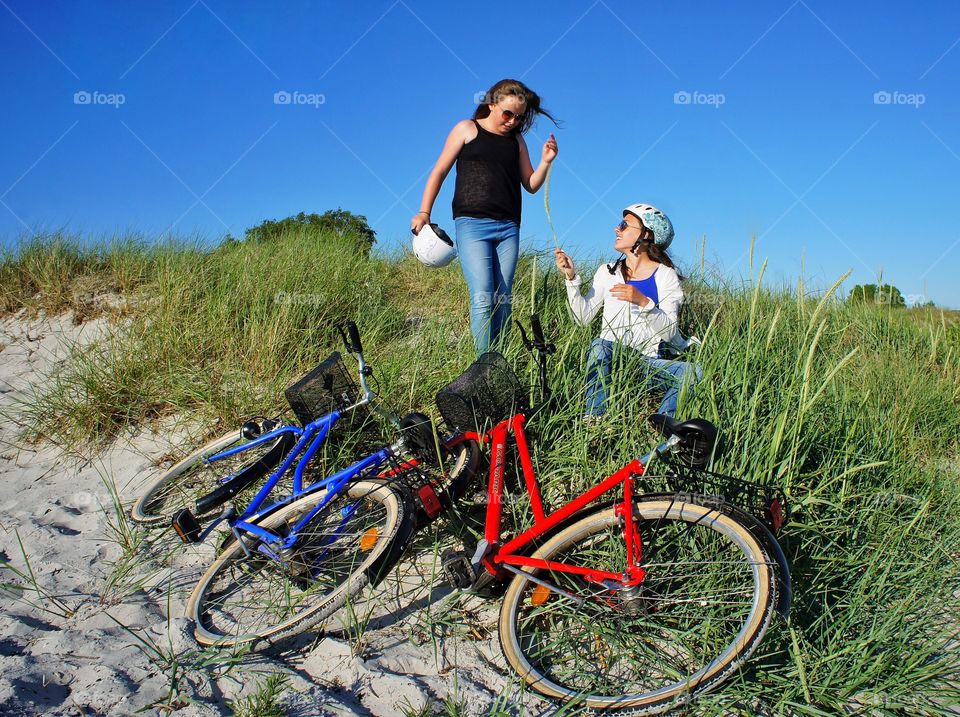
495	557
310	438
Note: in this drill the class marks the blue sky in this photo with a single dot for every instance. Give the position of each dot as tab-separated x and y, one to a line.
736	118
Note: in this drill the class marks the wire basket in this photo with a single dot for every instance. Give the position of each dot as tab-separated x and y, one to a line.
485	394
326	388
765	502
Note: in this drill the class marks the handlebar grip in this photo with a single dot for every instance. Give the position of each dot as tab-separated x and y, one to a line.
354	333
537	329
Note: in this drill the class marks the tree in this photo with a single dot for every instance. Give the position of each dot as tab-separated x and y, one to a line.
335	221
884	294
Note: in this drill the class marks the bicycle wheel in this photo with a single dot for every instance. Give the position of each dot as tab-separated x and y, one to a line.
194	477
273	594
703	607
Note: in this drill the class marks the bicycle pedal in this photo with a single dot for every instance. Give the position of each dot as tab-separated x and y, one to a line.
458	570
186	526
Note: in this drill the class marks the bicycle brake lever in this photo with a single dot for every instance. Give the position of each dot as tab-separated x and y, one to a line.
539	343
343	337
527	343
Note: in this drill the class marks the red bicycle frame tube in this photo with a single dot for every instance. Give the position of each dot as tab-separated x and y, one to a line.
505	554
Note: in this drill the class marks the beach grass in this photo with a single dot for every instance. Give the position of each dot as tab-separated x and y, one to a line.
854	410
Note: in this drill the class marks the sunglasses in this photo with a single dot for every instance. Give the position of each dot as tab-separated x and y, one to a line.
508	115
623	225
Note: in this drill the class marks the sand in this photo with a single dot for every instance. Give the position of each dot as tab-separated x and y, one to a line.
100	629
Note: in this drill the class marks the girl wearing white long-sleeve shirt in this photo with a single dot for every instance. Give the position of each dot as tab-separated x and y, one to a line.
641	295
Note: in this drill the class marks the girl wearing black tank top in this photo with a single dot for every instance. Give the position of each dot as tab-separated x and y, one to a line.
492	165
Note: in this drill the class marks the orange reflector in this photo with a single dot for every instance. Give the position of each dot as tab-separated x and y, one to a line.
540	595
369	540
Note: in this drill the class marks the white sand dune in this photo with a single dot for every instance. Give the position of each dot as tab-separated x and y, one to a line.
99	628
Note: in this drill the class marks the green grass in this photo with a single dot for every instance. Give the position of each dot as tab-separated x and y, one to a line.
854	410
265	702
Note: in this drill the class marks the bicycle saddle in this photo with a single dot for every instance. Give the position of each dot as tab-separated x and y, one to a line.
698	437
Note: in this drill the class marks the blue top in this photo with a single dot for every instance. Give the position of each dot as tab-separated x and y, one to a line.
648	286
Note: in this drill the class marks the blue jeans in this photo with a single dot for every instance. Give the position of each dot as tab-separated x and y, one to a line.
659	374
488	250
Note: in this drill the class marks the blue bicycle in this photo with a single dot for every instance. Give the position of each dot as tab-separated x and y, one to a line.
293	562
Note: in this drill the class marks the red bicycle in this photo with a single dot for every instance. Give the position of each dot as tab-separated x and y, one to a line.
643	602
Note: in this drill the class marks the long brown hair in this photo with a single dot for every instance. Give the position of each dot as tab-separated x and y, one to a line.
505	88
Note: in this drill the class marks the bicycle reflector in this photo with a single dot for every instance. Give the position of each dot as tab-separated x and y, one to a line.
431	502
540	595
369	540
775	515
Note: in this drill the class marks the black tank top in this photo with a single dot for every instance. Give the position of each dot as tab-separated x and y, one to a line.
488	177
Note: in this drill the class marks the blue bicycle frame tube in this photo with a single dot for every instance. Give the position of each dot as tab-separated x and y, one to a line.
260	440
334	483
320	427
323	425
372	461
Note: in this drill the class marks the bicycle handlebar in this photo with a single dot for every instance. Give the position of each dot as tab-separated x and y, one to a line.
542	349
354	333
350	335
351	338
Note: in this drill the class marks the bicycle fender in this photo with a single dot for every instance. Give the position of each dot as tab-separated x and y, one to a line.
249	475
405	531
772	546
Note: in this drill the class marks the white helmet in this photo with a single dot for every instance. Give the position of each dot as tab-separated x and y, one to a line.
433	247
654	220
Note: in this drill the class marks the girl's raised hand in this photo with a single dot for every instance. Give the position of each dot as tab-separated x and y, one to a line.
550	149
565	264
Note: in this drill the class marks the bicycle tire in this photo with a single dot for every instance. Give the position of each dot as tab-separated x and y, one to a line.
646	650
287	599
192	478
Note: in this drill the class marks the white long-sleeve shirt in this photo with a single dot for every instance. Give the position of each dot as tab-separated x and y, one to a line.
640	327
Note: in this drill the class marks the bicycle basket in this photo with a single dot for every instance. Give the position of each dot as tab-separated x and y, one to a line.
486	393
765	502
326	388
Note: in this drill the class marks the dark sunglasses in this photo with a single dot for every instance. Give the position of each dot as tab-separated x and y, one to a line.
509	115
623	225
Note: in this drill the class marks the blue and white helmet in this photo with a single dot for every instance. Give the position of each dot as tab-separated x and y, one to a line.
654	220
